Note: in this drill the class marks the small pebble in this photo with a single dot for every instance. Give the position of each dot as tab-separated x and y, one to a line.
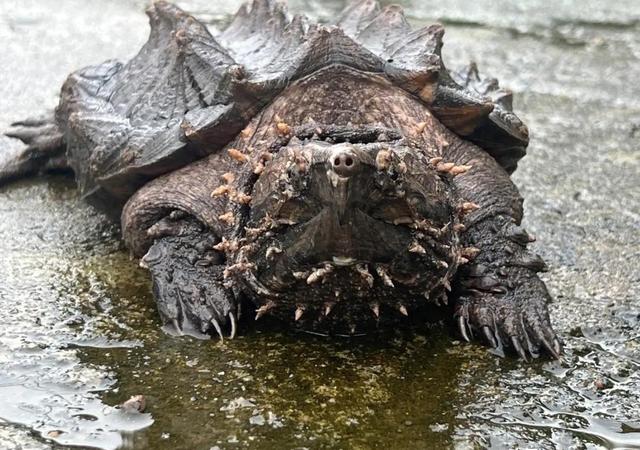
136	403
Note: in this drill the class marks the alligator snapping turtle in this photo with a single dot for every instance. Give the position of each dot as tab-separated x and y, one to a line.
336	175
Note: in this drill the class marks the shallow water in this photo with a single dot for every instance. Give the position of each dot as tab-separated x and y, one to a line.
80	335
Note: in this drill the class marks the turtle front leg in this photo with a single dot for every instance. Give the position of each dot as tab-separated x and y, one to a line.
499	294
187	275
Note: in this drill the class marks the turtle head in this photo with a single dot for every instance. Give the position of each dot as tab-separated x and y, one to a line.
343	227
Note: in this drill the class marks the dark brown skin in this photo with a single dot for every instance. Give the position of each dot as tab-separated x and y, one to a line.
342	188
333	245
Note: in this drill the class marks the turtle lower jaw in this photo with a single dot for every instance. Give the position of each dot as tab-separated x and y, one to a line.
329	309
348	300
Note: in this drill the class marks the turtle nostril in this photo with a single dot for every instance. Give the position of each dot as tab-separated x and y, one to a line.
344	163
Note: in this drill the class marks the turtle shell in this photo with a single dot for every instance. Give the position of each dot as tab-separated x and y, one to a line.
188	92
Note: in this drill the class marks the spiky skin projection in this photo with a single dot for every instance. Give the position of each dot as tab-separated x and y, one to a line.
337	176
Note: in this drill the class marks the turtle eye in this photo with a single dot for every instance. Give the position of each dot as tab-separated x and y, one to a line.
396	212
296	211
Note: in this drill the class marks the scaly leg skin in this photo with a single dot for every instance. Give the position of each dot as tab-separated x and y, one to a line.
187	278
44	149
500	297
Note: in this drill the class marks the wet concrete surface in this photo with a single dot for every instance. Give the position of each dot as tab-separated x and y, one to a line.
79	331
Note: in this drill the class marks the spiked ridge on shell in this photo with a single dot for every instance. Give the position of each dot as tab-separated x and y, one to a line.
200	90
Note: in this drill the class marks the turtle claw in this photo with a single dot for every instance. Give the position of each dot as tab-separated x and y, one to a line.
518	317
552	349
463	326
218	329
234	325
190	296
489	336
517	346
177	327
557	346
